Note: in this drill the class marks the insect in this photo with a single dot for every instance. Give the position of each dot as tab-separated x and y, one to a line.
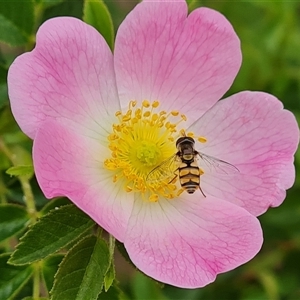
183	164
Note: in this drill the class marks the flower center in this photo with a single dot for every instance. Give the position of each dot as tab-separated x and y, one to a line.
147	153
141	141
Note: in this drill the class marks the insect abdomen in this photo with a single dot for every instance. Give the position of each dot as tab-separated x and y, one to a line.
189	176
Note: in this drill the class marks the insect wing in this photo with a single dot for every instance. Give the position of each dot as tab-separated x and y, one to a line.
163	171
217	165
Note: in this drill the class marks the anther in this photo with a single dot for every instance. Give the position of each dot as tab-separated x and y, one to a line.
153	198
180	191
128	188
132	104
142	123
154	117
182	132
202	139
155	104
112	137
146	103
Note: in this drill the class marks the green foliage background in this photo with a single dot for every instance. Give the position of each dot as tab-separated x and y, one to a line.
270	38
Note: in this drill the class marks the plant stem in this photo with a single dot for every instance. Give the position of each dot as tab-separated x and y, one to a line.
111	245
36	281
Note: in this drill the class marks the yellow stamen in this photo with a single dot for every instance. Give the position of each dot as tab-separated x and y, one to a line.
153	198
142	138
202	139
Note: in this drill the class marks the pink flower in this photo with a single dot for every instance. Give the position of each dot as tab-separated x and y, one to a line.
100	123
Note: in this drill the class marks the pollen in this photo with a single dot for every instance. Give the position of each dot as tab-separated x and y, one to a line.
143	139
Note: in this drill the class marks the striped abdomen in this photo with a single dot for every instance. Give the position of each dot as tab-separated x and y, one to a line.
189	176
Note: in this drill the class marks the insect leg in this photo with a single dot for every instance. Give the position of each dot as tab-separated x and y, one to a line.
176	175
202	191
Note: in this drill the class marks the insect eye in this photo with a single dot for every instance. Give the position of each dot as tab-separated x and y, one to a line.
179	141
185	139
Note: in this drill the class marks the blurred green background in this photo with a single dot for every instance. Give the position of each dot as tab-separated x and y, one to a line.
270	38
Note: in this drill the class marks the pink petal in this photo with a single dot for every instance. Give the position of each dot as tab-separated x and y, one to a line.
70	164
187	63
69	77
252	131
186	242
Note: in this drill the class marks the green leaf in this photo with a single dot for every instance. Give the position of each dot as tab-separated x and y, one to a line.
49	269
12	278
51	233
109	276
13	218
55	204
3	85
64	8
111	273
81	273
145	287
31	298
22	155
113	293
9	33
96	14
192	4
7	123
20	13
3	95
21	171
48	3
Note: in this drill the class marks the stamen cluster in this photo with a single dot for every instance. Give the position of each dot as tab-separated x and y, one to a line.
142	139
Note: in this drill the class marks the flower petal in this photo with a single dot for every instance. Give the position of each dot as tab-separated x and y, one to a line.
68	76
186	242
70	164
252	131
187	63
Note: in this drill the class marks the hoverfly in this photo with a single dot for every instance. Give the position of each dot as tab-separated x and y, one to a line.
183	164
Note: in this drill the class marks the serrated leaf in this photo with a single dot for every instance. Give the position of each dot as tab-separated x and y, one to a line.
10	34
109	277
81	273
55	204
96	14
12	278
21	171
49	269
52	232
13	218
